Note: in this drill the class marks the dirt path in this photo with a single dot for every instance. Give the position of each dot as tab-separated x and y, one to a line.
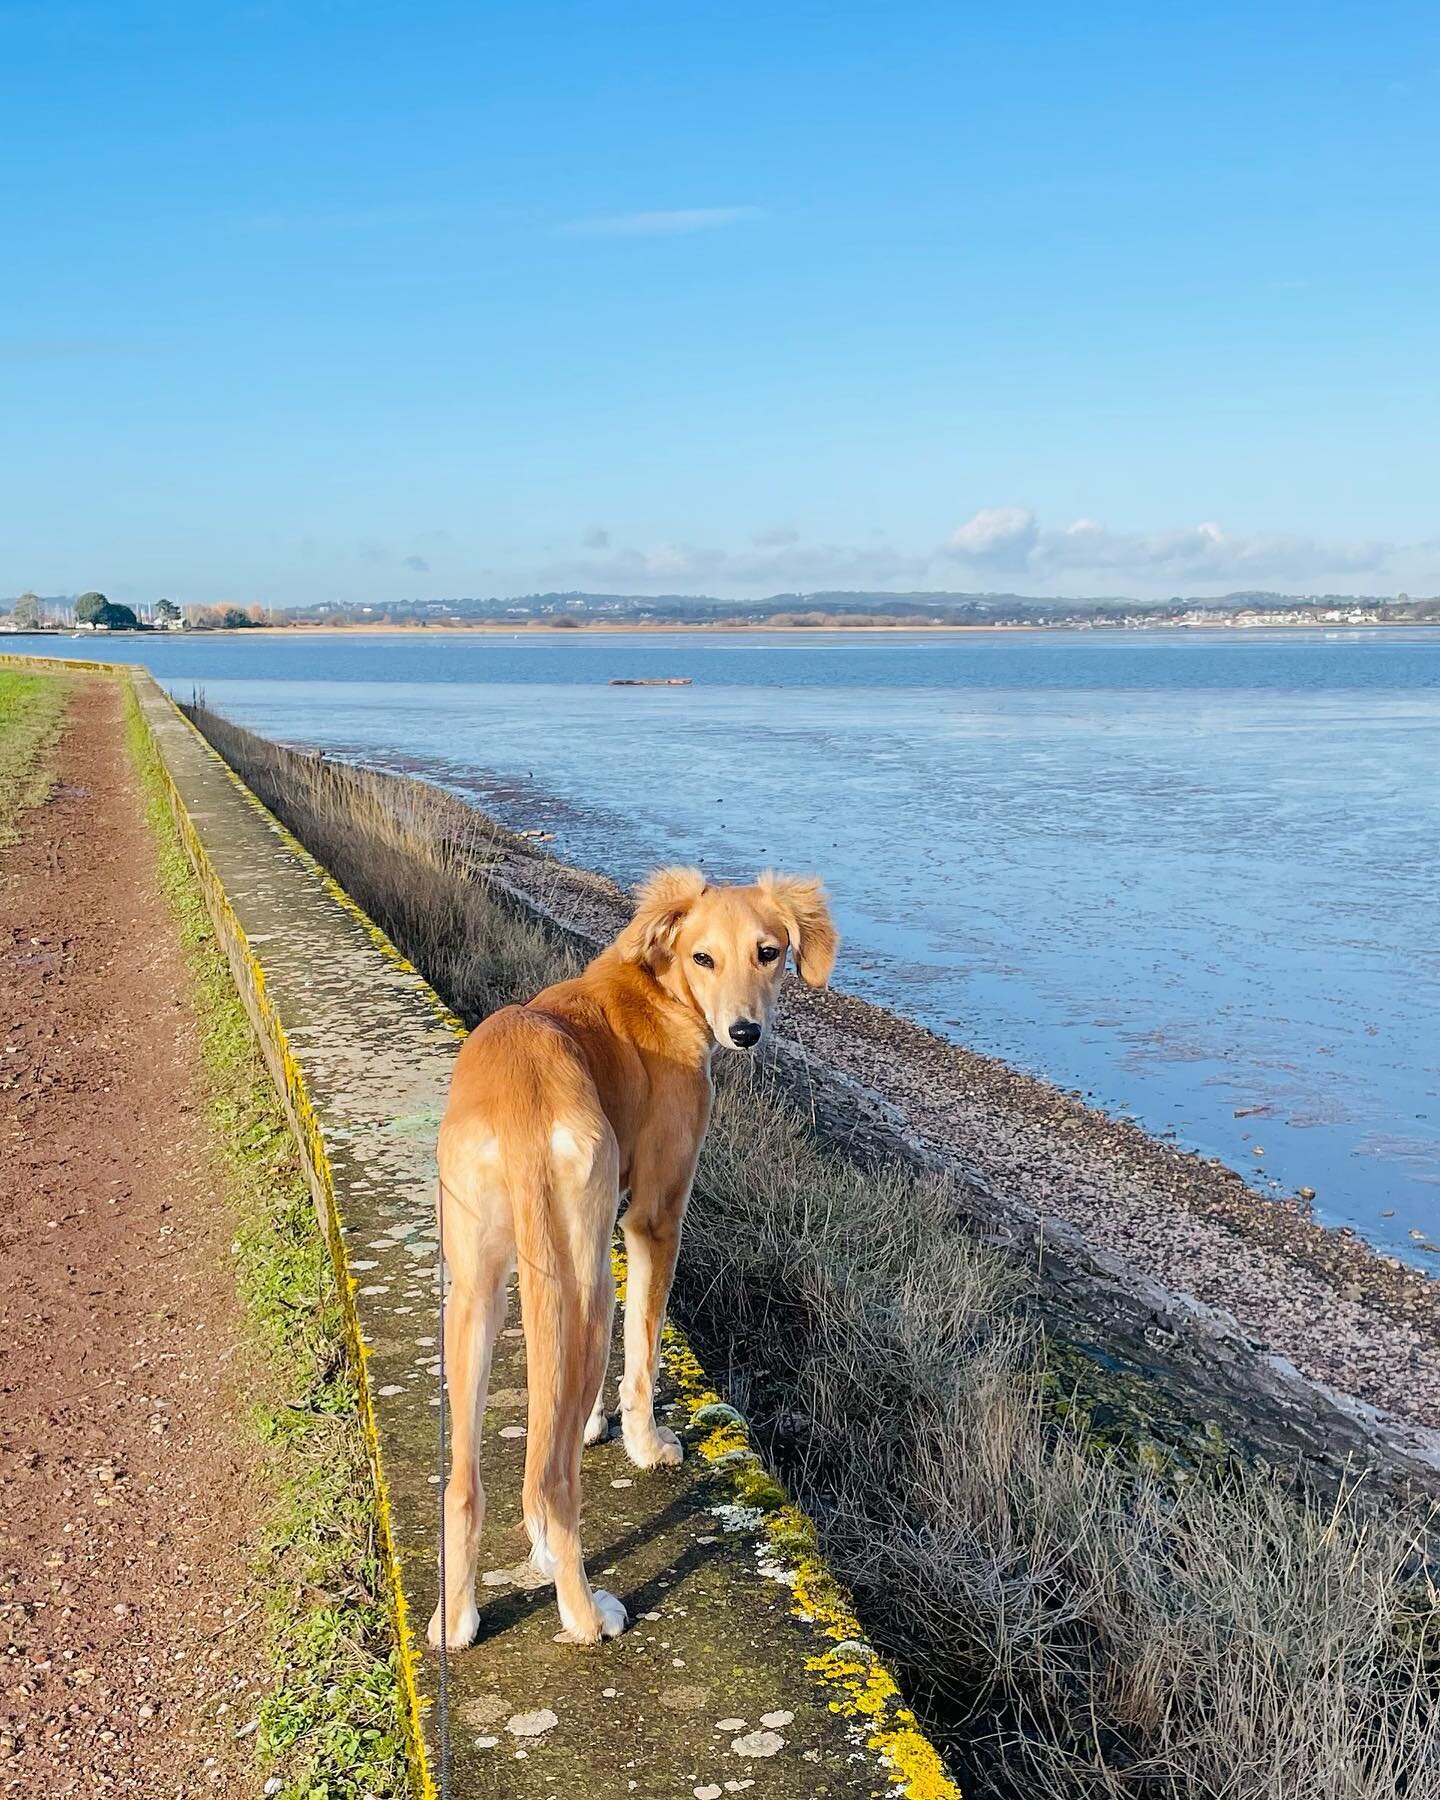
128	1480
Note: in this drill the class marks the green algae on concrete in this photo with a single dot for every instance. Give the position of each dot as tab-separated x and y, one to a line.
744	1671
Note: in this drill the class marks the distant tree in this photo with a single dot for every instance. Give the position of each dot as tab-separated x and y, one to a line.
566	622
115	618
27	614
234	619
166	611
87	608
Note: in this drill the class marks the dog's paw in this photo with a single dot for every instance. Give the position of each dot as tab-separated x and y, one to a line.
660	1449
613	1616
597	1426
609	1620
462	1625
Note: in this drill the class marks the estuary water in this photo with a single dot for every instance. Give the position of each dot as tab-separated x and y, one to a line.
1193	875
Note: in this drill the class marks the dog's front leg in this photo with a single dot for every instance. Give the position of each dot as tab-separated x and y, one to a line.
652	1242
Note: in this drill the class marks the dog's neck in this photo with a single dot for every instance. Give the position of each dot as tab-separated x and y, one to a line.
672	983
675	1020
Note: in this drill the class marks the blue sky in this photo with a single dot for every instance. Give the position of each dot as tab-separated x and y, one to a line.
329	300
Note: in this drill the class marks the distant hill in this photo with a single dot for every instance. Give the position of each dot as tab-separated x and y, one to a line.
576	609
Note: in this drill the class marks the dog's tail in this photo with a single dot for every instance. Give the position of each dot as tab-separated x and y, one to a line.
544	1280
563	1192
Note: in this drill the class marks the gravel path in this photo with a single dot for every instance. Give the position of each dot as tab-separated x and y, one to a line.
128	1482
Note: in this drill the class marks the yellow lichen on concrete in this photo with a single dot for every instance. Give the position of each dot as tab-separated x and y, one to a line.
860	1688
250	980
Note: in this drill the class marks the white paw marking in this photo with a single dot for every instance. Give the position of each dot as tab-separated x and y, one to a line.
613	1616
662	1450
461	1627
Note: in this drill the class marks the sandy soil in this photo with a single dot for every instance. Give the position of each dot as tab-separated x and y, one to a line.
128	1482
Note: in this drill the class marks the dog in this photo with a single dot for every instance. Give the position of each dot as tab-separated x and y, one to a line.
599	1085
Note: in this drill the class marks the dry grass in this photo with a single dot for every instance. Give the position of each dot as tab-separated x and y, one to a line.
1070	1619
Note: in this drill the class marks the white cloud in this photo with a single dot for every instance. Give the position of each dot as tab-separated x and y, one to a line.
1010	538
661	224
1000	535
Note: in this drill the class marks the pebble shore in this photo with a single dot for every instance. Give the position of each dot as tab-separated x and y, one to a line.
1364	1324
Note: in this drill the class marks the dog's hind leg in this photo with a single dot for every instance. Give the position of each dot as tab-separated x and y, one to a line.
481	1262
567	1292
597	1426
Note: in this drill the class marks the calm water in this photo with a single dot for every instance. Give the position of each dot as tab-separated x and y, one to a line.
1188	874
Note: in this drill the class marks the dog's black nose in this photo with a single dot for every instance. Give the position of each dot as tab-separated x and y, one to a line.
745	1033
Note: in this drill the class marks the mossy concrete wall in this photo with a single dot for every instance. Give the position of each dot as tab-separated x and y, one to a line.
745	1670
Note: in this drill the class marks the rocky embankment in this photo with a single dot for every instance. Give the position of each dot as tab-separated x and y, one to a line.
1254	1322
1181	1302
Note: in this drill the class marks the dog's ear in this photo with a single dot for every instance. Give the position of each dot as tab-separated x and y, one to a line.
801	902
661	903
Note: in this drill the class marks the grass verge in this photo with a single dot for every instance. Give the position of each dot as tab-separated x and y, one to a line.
1073	1616
32	710
330	1726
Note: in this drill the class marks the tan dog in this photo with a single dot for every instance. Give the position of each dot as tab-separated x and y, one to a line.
556	1108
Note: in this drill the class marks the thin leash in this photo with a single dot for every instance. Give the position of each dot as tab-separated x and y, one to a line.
444	1711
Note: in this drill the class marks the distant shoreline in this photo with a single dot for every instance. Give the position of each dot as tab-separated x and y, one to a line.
611	628
658	628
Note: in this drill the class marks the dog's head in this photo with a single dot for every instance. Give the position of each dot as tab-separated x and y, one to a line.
723	948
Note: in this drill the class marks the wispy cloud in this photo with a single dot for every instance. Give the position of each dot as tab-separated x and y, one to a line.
662	224
783	562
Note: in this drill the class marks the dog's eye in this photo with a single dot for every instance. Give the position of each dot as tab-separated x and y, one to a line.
705	962
768	953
